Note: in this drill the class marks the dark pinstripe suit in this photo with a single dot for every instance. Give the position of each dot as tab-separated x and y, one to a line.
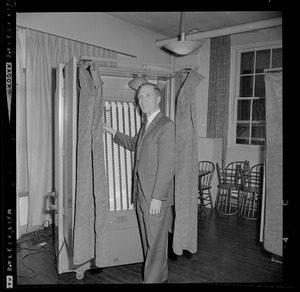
153	178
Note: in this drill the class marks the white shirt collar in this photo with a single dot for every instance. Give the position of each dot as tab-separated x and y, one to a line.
152	116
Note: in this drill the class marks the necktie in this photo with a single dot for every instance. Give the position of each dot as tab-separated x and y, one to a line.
144	127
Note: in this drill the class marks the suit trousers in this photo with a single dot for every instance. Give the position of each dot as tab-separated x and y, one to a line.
154	232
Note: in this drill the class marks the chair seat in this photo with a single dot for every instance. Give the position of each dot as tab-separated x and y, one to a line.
252	189
204	188
230	186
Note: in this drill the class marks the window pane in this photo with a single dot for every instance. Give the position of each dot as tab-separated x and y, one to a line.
242	141
277	58
262	61
246	86
258	110
258	134
242	133
258	131
243	113
243	130
259	90
257	142
247	63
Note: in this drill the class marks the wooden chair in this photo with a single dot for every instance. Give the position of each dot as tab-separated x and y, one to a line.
229	187
252	184
206	171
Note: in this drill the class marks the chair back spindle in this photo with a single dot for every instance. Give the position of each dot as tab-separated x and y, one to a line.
205	181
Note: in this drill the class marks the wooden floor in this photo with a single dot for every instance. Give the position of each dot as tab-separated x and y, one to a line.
229	252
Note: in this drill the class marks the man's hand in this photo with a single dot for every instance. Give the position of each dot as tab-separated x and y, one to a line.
109	129
155	206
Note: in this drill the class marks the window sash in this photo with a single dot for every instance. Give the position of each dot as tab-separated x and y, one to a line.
249	127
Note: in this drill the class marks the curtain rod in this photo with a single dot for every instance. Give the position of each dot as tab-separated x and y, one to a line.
145	66
118	52
111	71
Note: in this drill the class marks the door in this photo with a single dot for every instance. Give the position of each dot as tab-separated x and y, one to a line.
65	160
69	149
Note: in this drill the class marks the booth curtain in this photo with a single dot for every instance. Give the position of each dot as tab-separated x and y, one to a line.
35	102
186	166
90	228
218	91
274	164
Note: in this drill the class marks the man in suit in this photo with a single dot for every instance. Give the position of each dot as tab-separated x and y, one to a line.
153	185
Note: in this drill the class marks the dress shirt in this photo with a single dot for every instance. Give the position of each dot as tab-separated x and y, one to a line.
151	117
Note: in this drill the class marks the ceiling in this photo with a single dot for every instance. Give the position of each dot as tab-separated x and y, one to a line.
168	23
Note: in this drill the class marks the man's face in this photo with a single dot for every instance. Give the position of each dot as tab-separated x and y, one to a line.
148	101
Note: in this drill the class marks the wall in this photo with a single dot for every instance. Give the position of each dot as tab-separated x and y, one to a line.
99	29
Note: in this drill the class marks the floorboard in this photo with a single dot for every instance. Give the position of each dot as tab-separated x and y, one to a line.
229	252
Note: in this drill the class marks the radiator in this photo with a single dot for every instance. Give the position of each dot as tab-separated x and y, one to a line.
119	162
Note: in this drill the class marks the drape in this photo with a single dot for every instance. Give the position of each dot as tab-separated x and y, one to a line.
186	166
273	164
21	132
90	230
218	91
35	104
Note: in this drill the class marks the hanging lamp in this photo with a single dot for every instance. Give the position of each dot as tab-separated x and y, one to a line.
137	81
183	47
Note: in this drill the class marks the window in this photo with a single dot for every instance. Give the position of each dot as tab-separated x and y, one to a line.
250	110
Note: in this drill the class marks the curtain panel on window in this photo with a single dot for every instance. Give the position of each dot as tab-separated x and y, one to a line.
35	103
218	91
273	229
21	131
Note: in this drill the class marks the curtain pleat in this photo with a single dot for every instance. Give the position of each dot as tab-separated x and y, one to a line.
21	132
90	230
218	91
273	232
186	166
43	54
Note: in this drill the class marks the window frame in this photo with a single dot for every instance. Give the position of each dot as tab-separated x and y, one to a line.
236	53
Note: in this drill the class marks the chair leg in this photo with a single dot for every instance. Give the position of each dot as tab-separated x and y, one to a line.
202	205
210	199
217	202
243	203
250	205
224	203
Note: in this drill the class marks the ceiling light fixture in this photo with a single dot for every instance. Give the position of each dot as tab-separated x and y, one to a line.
137	81
183	47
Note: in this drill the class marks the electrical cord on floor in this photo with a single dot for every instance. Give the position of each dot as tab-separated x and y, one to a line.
44	233
40	235
25	256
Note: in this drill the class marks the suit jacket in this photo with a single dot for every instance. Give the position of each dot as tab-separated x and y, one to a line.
154	159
